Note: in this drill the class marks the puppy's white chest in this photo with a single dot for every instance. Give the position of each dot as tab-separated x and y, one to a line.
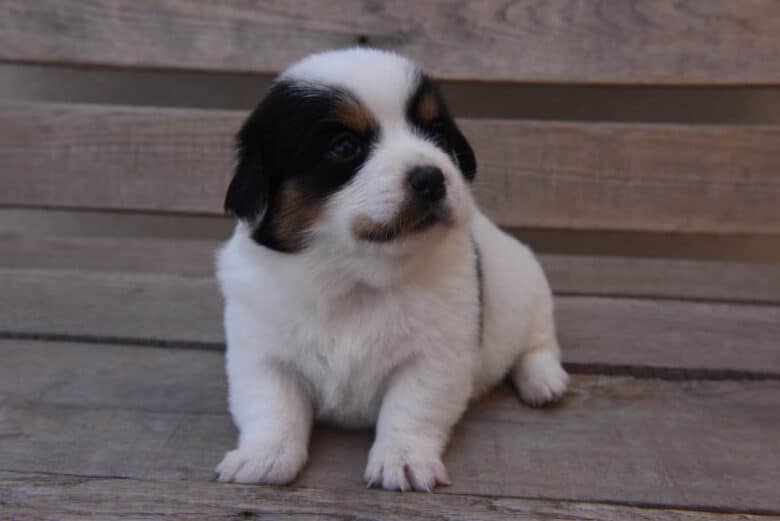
346	353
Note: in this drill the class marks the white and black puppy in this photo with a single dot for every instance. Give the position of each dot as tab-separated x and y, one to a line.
362	285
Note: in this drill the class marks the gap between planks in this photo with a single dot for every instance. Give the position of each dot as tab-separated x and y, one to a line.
569	274
671	374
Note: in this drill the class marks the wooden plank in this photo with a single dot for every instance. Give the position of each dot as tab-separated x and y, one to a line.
703	444
72	375
120	158
629	176
716	179
653	245
187	311
582	275
183	257
155	225
36	497
112	305
663	278
635	42
671	334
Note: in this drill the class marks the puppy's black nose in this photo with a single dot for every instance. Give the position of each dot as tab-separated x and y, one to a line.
427	183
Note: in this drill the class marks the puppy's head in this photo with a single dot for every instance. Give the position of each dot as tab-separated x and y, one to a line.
351	147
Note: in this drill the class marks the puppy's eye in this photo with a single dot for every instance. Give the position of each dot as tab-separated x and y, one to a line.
345	147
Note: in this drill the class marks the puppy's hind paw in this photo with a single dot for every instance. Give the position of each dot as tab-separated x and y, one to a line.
539	378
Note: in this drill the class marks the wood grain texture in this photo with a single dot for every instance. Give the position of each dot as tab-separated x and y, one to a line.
183	257
596	41
120	158
628	176
716	179
187	311
663	278
89	376
42	497
684	445
111	304
682	279
669	334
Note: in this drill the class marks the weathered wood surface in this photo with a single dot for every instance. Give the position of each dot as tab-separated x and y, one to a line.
718	179
184	257
44	497
120	158
187	310
670	334
682	279
631	42
155	414
160	307
628	176
663	278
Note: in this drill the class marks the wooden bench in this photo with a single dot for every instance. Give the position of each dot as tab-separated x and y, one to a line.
112	389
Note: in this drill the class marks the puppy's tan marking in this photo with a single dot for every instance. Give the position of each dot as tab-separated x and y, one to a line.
428	109
293	215
353	115
410	218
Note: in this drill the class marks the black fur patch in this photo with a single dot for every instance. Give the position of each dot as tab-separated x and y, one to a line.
480	290
284	142
427	112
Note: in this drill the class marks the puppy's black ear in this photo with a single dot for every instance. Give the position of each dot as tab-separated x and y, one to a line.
248	193
464	155
427	110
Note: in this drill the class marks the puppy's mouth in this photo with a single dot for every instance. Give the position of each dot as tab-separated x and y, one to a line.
411	219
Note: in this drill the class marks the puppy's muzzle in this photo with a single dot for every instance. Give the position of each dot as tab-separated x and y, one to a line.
425	206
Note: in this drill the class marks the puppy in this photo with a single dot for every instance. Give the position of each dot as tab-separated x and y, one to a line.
362	285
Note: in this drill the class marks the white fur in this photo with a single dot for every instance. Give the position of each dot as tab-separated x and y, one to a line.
363	334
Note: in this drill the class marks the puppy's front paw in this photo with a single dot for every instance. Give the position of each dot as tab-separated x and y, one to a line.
405	467
540	378
268	463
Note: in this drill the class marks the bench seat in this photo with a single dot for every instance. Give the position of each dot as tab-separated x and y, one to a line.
112	386
112	383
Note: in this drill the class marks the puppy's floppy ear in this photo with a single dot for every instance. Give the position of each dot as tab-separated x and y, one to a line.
248	193
427	110
464	155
